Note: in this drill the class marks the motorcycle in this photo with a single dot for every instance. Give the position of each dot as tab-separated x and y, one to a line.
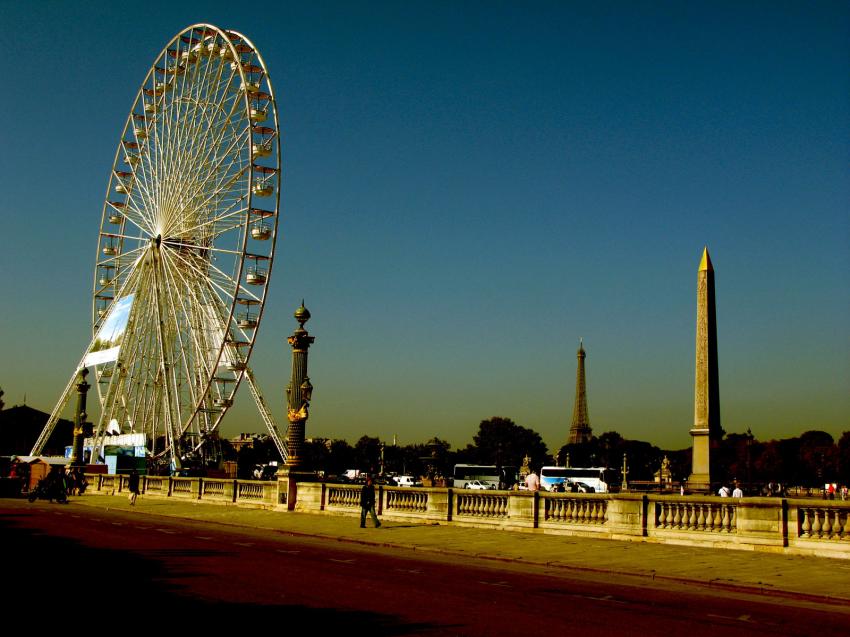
48	490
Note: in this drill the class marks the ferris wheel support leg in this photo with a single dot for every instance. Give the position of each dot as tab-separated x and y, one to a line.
170	426
266	415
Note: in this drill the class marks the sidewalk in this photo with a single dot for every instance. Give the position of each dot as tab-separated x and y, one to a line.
813	578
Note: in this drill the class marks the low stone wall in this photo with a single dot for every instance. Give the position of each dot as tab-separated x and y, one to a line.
208	490
795	526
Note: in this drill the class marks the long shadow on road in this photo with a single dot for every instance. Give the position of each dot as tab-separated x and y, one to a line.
56	580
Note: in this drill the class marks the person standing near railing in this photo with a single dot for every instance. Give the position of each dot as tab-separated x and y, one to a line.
133	486
367	504
532	481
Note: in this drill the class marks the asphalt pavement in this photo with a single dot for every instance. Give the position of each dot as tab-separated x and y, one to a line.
802	577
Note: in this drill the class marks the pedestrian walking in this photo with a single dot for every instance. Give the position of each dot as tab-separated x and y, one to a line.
367	504
133	486
723	492
738	492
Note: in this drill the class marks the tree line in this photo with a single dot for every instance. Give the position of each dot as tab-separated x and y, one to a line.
810	459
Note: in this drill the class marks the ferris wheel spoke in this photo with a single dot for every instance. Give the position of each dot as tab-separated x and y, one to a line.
182	150
208	140
132	214
224	181
125	358
229	213
181	305
211	106
203	280
191	191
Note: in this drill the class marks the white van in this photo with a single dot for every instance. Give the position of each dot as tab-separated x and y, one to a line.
406	481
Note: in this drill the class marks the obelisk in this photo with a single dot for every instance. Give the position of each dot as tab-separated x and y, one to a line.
580	431
706	429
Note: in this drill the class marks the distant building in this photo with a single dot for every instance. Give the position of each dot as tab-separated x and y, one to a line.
580	431
20	427
243	440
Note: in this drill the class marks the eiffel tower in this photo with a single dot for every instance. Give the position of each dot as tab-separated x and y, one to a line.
580	431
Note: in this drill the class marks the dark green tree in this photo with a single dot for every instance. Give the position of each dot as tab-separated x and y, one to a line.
500	441
843	462
367	454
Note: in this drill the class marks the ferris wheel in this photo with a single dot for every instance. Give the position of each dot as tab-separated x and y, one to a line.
186	245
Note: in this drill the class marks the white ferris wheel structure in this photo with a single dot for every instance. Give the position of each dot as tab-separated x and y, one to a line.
185	247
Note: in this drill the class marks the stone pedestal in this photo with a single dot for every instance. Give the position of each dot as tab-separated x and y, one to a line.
287	485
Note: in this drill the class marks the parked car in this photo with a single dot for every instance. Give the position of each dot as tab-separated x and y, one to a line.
581	487
477	484
407	481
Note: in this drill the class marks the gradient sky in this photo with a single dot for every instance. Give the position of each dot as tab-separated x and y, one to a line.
469	188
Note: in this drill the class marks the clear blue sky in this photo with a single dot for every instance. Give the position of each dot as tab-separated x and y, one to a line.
469	188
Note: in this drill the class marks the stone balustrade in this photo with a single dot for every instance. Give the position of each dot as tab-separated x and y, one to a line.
574	509
794	526
405	500
713	515
481	505
823	523
156	485
341	496
819	527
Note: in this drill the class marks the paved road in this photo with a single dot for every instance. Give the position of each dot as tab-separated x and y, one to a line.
193	574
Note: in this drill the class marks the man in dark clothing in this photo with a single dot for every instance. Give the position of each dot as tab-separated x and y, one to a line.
133	486
367	504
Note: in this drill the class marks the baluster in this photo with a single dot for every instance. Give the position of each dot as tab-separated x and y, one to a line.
733	520
826	528
552	509
701	517
845	530
677	517
836	525
805	523
816	524
724	522
660	516
717	524
594	511
690	517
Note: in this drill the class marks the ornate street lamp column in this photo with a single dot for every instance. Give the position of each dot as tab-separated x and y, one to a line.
300	391
625	485
80	416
